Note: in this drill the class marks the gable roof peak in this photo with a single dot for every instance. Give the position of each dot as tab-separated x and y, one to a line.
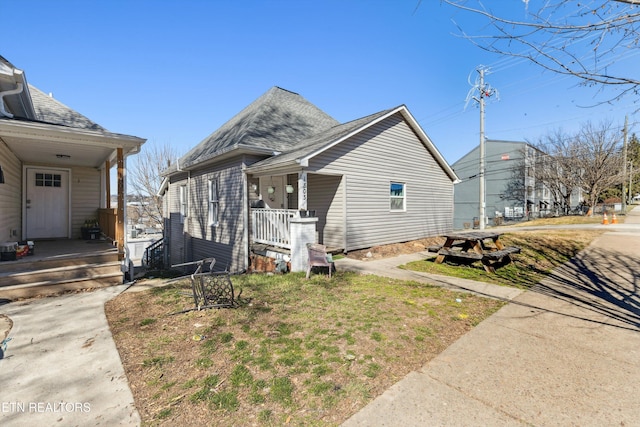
285	90
275	121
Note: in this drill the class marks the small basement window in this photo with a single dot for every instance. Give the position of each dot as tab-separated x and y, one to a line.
398	196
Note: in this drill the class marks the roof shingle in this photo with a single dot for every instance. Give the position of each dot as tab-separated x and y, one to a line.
275	121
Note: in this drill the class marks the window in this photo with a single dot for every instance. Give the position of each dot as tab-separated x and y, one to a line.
48	180
397	192
213	202
183	202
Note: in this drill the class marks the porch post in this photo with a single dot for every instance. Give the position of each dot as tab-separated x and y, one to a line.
303	231
121	205
107	184
302	191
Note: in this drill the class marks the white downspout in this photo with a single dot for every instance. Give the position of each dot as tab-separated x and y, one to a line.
6	93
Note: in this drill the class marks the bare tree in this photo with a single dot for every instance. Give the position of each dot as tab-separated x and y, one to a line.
515	189
556	168
568	37
598	158
589	160
145	180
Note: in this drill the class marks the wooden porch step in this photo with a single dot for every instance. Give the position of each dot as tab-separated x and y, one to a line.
59	261
66	273
51	287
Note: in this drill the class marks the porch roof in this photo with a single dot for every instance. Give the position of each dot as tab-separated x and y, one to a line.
38	142
39	129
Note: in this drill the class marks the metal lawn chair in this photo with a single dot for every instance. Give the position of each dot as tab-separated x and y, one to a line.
211	289
318	257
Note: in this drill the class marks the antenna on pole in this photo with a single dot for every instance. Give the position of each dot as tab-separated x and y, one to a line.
484	91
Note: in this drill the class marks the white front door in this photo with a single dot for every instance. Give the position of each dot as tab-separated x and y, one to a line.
47	203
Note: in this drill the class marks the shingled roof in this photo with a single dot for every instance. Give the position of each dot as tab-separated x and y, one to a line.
318	142
50	110
274	122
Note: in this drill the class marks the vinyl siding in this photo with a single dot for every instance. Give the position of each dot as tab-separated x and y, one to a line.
196	239
326	198
85	197
387	152
176	231
10	196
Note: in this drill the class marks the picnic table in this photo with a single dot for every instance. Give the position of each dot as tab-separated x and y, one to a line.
475	246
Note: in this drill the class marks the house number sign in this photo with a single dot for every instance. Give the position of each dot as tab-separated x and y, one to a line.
302	194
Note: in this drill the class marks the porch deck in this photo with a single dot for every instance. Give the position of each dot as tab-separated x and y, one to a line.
60	265
58	249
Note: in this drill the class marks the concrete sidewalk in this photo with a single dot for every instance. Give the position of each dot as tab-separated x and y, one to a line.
566	353
61	366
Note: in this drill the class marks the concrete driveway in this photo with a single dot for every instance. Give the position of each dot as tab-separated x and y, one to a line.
61	366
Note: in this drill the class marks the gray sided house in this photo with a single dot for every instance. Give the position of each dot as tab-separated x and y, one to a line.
511	190
54	174
371	181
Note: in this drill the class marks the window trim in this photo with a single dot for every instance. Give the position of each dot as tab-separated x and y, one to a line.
213	203
183	202
403	197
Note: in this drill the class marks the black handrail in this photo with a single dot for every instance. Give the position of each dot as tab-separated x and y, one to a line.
154	255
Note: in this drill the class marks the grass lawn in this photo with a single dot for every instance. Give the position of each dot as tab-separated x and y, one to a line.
299	352
541	252
304	352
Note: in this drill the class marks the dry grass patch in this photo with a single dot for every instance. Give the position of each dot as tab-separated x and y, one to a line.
542	251
300	352
561	220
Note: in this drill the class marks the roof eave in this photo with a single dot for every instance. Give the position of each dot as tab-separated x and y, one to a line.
45	131
217	156
20	102
277	167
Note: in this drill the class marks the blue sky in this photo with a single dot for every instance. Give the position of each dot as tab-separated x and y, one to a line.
174	71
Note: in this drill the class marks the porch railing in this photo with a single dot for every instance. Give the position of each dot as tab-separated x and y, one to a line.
272	226
107	219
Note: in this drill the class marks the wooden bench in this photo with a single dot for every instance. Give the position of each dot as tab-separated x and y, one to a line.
460	254
499	254
436	248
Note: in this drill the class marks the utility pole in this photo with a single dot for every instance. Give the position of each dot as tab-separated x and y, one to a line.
624	167
630	180
485	91
482	214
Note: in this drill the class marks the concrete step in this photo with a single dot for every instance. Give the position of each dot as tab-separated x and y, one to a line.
58	274
52	287
58	261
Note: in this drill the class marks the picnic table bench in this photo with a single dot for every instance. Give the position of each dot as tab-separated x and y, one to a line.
475	246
